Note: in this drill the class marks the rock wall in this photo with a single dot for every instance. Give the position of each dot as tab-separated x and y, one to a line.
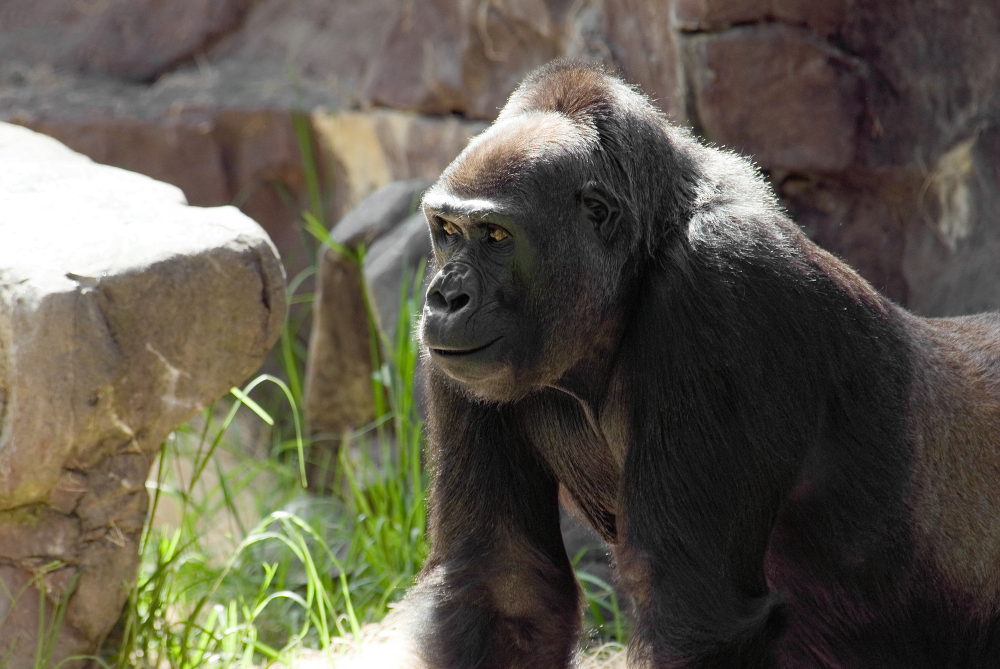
875	120
123	312
877	123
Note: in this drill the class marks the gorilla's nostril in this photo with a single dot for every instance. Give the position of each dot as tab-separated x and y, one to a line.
437	301
459	302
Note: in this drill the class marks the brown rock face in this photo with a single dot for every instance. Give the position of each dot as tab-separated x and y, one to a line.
184	148
445	56
876	122
862	111
952	260
141	39
135	39
419	62
824	18
123	312
765	91
645	45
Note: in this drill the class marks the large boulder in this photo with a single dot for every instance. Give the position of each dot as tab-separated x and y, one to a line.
123	312
217	156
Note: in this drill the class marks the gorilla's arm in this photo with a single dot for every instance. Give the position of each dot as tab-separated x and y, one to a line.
498	589
695	555
713	455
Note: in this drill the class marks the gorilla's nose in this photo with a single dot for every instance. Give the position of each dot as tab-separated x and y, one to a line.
451	291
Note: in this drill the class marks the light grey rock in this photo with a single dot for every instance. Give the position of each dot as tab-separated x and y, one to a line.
380	212
123	312
338	384
391	266
338	392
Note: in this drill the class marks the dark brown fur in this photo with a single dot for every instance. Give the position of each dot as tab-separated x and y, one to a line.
789	470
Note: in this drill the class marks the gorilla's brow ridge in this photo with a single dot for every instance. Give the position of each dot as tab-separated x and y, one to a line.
469	208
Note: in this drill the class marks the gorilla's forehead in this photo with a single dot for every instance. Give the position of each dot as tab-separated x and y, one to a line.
441	201
509	148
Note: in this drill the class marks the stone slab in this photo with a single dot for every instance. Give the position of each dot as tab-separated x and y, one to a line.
123	312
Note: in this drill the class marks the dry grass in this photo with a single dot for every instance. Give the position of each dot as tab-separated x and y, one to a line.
377	650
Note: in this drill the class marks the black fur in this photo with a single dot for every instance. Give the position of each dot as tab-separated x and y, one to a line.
626	313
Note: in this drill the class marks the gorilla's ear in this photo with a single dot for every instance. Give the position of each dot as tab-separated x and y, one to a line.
601	209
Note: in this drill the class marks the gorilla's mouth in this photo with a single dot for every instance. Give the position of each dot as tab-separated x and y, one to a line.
457	352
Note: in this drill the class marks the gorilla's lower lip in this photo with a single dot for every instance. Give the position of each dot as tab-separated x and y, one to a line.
455	352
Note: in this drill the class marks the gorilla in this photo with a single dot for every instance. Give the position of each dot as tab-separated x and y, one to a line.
788	469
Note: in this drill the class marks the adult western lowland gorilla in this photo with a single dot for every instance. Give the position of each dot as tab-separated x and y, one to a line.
789	470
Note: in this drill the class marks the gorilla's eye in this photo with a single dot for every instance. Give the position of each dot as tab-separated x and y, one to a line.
598	209
497	234
449	228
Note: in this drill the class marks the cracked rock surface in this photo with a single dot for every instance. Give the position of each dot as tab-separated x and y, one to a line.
123	312
214	96
876	120
877	123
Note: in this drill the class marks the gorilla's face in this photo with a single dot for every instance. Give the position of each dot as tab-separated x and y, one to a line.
478	322
526	278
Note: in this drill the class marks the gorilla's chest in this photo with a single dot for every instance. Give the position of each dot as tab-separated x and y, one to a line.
585	452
